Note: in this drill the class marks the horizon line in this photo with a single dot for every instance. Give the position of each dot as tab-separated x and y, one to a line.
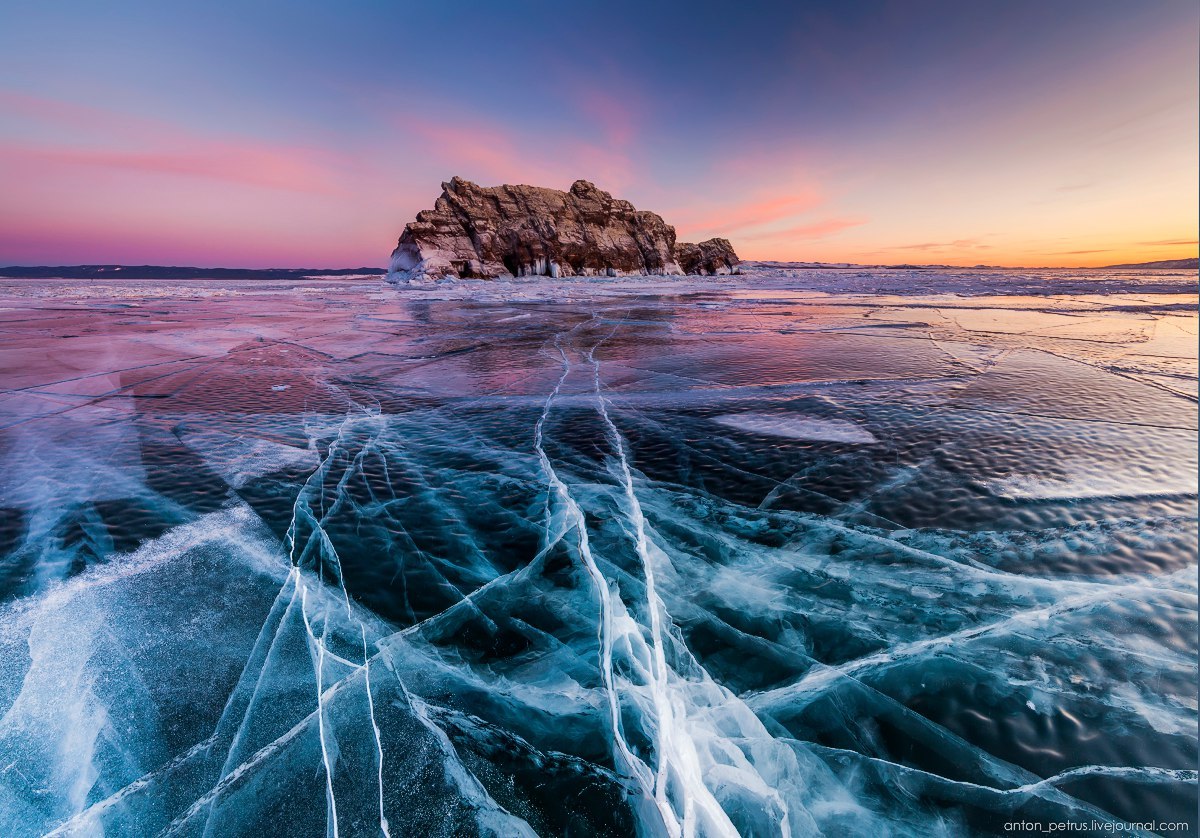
802	262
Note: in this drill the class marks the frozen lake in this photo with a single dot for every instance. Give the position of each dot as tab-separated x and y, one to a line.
794	553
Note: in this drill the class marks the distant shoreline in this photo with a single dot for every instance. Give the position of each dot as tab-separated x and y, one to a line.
179	272
1191	264
188	272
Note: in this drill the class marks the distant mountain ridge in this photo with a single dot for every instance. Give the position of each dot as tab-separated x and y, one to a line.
1192	263
176	272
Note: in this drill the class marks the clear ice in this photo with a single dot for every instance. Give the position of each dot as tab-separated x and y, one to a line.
787	554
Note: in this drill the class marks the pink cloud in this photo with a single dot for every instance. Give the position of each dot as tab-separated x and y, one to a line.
754	211
489	150
765	188
137	238
492	153
811	230
131	143
69	114
611	113
776	200
608	97
251	165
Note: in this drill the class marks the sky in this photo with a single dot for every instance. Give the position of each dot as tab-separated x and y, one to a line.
306	134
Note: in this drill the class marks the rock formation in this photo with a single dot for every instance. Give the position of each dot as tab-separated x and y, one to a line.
714	256
488	232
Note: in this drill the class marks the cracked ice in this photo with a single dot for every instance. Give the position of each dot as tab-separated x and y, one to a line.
757	557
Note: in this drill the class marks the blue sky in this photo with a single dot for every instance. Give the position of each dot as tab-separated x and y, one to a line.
307	134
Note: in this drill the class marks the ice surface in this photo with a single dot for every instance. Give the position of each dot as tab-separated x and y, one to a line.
810	428
1098	484
791	553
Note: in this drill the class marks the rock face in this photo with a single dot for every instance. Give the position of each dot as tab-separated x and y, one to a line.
487	232
714	256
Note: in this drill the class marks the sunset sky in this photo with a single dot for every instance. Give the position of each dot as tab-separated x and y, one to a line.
307	134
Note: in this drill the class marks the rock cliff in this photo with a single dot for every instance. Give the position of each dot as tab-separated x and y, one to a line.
487	232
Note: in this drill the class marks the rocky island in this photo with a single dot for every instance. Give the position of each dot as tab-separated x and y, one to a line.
478	232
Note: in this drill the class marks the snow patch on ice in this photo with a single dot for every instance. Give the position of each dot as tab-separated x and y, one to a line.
798	426
1089	485
240	460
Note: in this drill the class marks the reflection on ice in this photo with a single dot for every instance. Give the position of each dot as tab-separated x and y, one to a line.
729	562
